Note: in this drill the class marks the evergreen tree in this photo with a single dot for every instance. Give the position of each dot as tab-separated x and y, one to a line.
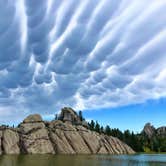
56	116
101	129
80	115
92	125
107	130
138	142
97	127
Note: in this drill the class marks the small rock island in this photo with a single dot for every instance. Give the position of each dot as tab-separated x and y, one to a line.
67	135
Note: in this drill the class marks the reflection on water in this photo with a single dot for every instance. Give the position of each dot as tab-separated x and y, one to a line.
83	160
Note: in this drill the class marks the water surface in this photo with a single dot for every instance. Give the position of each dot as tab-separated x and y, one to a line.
83	160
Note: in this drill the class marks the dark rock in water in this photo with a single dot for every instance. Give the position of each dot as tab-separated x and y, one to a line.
69	135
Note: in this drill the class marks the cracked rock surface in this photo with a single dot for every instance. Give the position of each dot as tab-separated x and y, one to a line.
34	136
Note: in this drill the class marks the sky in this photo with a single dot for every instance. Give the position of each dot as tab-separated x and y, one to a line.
104	57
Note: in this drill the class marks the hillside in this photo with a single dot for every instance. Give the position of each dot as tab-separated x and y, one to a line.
69	135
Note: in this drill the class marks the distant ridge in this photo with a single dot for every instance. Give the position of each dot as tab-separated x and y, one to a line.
151	131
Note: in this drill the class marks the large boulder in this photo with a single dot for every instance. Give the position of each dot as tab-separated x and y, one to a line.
161	131
149	130
66	139
69	115
33	118
0	142
34	136
10	142
102	144
69	139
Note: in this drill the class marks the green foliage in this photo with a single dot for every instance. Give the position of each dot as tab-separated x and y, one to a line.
80	115
56	116
92	125
162	145
146	149
97	127
102	129
138	142
107	130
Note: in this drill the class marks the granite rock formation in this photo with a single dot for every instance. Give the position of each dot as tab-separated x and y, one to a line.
69	135
161	131
68	115
150	131
34	136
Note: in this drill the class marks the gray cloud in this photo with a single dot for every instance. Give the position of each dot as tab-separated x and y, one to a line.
85	54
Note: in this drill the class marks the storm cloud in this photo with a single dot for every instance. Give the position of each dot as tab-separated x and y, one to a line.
86	54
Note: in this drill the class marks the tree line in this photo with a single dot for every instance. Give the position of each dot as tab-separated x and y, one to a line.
138	142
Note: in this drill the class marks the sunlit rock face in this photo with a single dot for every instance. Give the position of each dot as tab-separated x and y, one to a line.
34	136
150	131
68	115
10	142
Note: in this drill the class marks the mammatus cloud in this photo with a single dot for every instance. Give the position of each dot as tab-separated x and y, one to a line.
85	54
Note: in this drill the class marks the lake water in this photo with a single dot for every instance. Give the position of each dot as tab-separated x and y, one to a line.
83	160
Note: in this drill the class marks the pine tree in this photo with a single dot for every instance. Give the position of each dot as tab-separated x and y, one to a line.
101	129
97	127
92	125
80	115
107	130
56	116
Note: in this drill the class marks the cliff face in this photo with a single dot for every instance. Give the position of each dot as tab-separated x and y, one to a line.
34	136
161	131
151	131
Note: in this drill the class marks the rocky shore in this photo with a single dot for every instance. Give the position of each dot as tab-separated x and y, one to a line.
69	135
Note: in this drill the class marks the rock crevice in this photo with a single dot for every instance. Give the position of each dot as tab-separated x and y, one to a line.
34	136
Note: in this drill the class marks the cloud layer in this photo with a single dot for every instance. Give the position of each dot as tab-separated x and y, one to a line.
85	54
